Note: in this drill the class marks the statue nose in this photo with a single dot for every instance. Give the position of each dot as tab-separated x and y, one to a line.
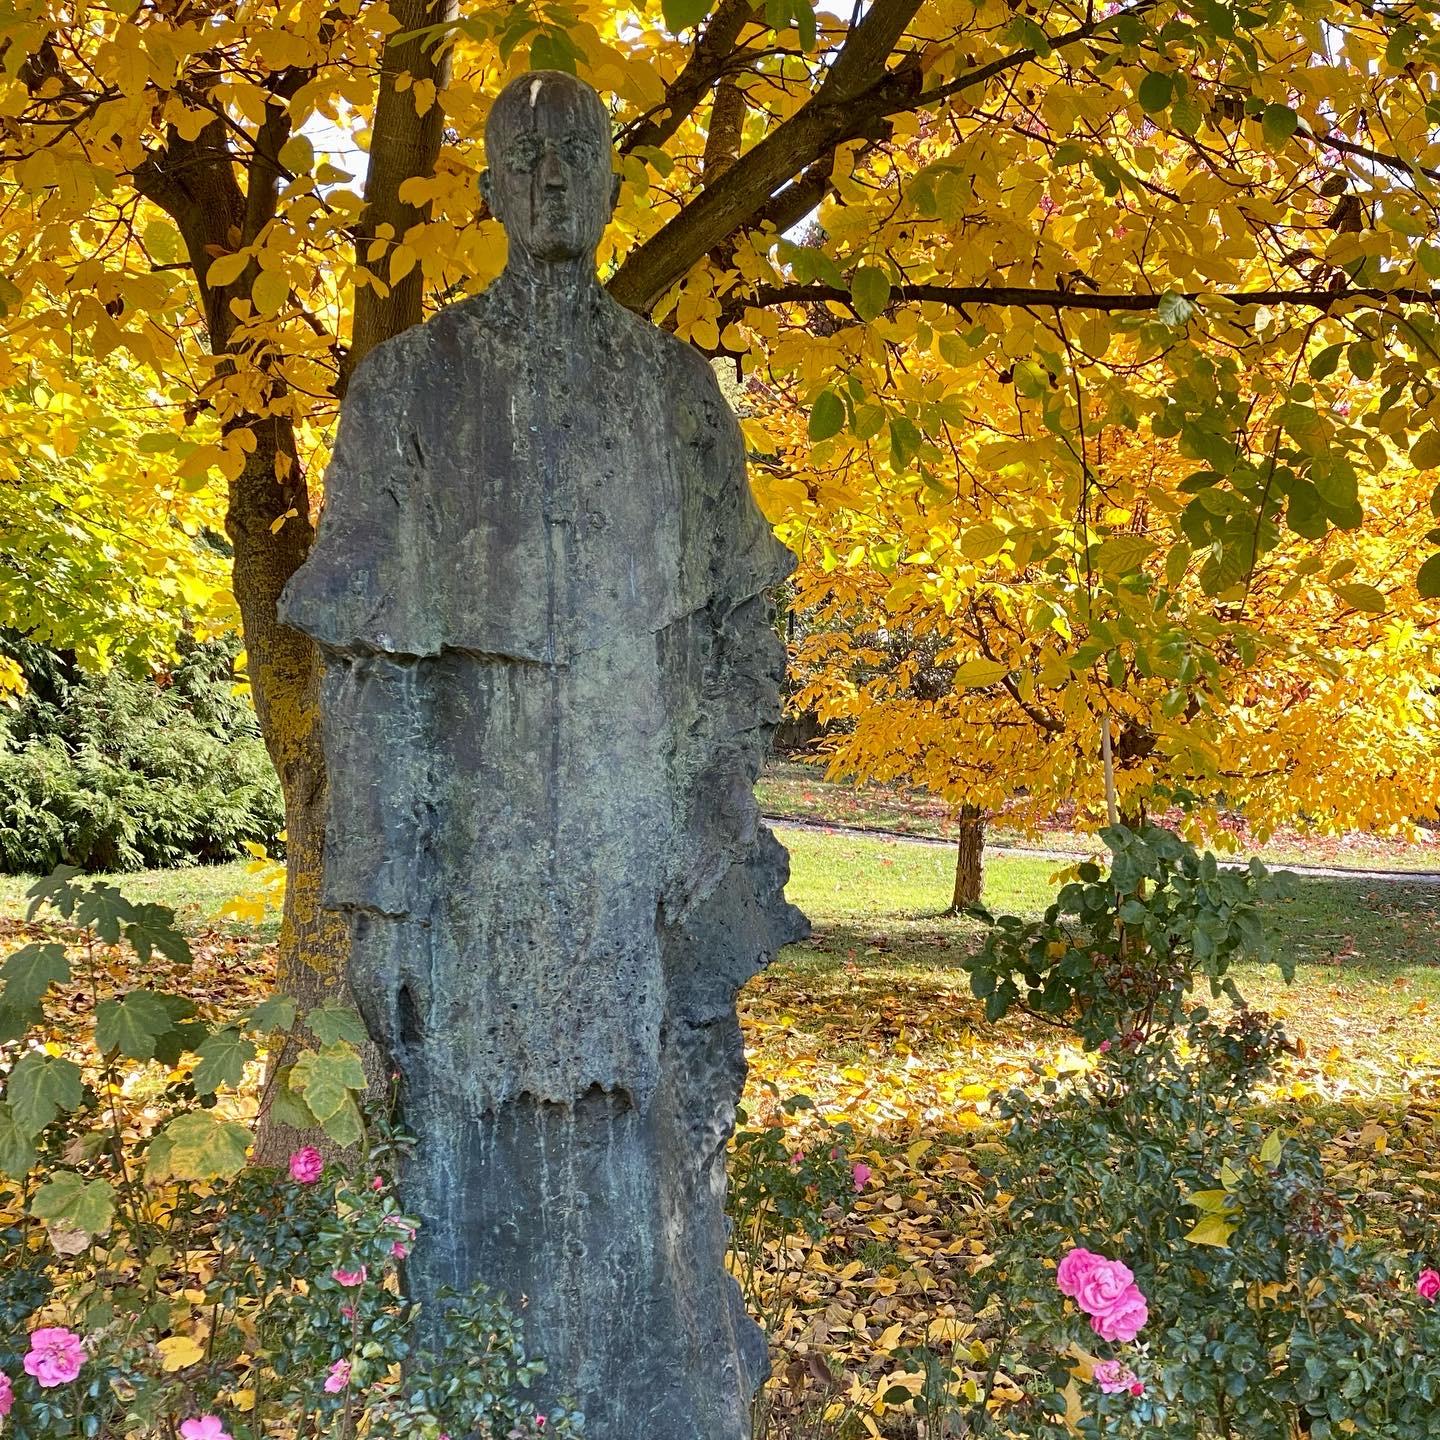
552	172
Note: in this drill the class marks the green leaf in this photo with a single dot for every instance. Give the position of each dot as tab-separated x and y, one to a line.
285	1106
1030	379
1425	452
1176	563
827	416
103	909
153	928
332	1022
68	1198
1428	580
1155	92
131	1024
15	1021
682	14
31	971
905	441
1186	115
198	1145
223	1058
184	1034
275	1013
345	1127
1025	32
39	1086
1326	362
1305	511
56	890
1175	310
553	50
1279	123
17	1153
1363	597
870	291
326	1078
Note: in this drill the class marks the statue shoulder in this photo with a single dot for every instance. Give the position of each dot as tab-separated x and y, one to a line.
660	345
396	365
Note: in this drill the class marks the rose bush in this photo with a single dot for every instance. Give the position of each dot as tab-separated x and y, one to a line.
152	1284
1169	1261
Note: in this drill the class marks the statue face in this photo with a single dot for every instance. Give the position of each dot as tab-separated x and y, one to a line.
549	181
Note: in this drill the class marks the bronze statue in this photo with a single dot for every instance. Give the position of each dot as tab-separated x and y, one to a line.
550	676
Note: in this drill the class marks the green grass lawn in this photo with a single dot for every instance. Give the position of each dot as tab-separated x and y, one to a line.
1367	951
196	894
1367	983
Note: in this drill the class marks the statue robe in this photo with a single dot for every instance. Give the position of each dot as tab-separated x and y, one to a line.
550	676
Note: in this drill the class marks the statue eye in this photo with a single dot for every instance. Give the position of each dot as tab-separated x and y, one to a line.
523	153
579	150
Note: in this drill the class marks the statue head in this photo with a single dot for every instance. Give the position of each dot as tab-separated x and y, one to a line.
550	184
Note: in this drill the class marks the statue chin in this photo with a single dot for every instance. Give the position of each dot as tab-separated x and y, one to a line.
555	249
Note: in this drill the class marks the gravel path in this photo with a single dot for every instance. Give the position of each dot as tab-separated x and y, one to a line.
781	822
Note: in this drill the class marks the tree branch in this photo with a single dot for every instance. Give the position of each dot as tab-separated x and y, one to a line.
857	91
856	95
194	182
1364	152
957	297
707	63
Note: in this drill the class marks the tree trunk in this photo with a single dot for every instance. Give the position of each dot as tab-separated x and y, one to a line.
284	679
969	857
403	144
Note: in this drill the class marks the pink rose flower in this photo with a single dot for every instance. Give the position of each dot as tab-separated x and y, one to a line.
348	1277
539	1422
1073	1269
401	1248
338	1378
1136	1388
7	1394
1113	1377
861	1173
307	1165
204	1427
378	1183
1427	1287
55	1357
1123	1318
1102	1284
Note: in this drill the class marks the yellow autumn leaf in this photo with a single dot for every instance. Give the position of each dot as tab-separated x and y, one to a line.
178	1351
1211	1230
225	269
270	291
402	262
975	673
